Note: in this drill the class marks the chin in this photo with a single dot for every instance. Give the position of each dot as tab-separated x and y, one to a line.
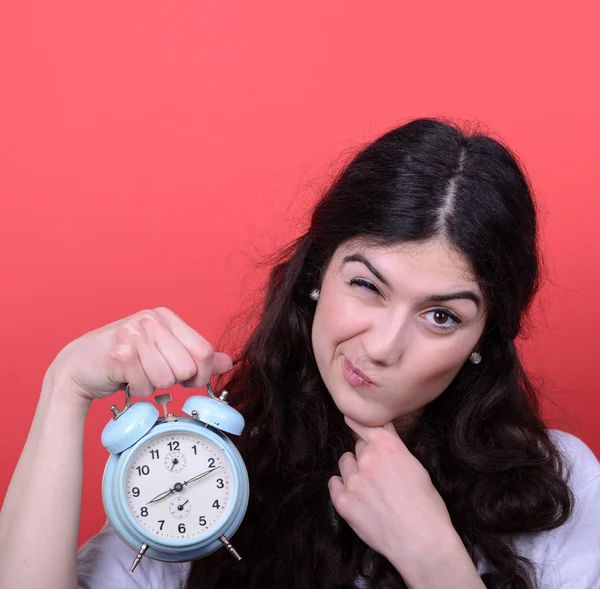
372	414
362	412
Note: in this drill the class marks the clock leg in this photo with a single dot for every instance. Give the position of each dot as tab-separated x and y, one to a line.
138	557
229	547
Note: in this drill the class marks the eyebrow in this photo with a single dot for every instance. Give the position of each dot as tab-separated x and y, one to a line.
463	294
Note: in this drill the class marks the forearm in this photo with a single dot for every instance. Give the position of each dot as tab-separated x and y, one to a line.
446	564
39	520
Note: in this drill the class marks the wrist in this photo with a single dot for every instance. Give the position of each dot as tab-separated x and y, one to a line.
441	561
61	392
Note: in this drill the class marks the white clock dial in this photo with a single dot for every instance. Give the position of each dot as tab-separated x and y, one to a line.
178	486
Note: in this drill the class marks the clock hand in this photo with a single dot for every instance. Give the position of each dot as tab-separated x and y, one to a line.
179	486
201	475
161	496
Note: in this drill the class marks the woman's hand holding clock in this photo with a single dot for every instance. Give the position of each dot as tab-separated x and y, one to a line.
149	350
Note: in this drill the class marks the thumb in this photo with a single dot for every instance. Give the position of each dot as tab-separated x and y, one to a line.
221	363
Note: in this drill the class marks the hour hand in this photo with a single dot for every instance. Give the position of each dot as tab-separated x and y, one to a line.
161	496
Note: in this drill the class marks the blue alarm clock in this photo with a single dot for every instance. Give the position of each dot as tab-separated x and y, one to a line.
175	488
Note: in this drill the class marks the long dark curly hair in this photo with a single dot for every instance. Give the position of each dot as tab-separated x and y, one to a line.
482	440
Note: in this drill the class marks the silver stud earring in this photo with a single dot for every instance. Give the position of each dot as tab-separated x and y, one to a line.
475	358
314	294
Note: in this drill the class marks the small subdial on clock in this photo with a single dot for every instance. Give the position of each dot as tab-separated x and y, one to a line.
180	507
175	461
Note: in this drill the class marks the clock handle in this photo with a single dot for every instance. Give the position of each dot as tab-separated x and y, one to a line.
222	397
116	412
138	557
229	547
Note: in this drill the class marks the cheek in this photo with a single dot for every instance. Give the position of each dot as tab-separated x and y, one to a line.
323	335
432	369
443	366
335	321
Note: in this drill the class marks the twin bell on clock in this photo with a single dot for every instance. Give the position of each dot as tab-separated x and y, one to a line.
175	488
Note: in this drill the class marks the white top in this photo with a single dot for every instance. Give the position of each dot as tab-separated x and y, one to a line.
565	558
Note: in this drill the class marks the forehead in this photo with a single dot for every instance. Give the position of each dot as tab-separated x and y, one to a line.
433	261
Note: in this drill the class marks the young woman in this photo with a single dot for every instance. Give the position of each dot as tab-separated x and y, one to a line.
393	438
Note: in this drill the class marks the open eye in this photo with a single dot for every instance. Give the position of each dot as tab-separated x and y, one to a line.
443	320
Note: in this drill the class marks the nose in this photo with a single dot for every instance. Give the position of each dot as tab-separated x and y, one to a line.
386	340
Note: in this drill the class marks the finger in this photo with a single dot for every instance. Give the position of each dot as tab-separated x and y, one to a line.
360	447
362	431
198	346
207	360
179	363
368	432
347	464
164	359
390	427
222	362
129	371
159	373
336	487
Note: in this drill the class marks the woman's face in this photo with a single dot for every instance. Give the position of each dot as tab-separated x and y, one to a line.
407	316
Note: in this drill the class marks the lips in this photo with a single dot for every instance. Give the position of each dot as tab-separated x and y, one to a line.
355	376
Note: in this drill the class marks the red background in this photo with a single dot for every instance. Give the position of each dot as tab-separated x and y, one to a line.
151	152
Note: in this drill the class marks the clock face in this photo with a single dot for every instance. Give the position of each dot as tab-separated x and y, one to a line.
178	486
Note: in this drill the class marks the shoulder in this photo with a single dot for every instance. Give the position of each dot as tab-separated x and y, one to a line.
569	556
582	463
103	562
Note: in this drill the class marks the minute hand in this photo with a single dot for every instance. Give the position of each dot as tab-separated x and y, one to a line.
201	475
